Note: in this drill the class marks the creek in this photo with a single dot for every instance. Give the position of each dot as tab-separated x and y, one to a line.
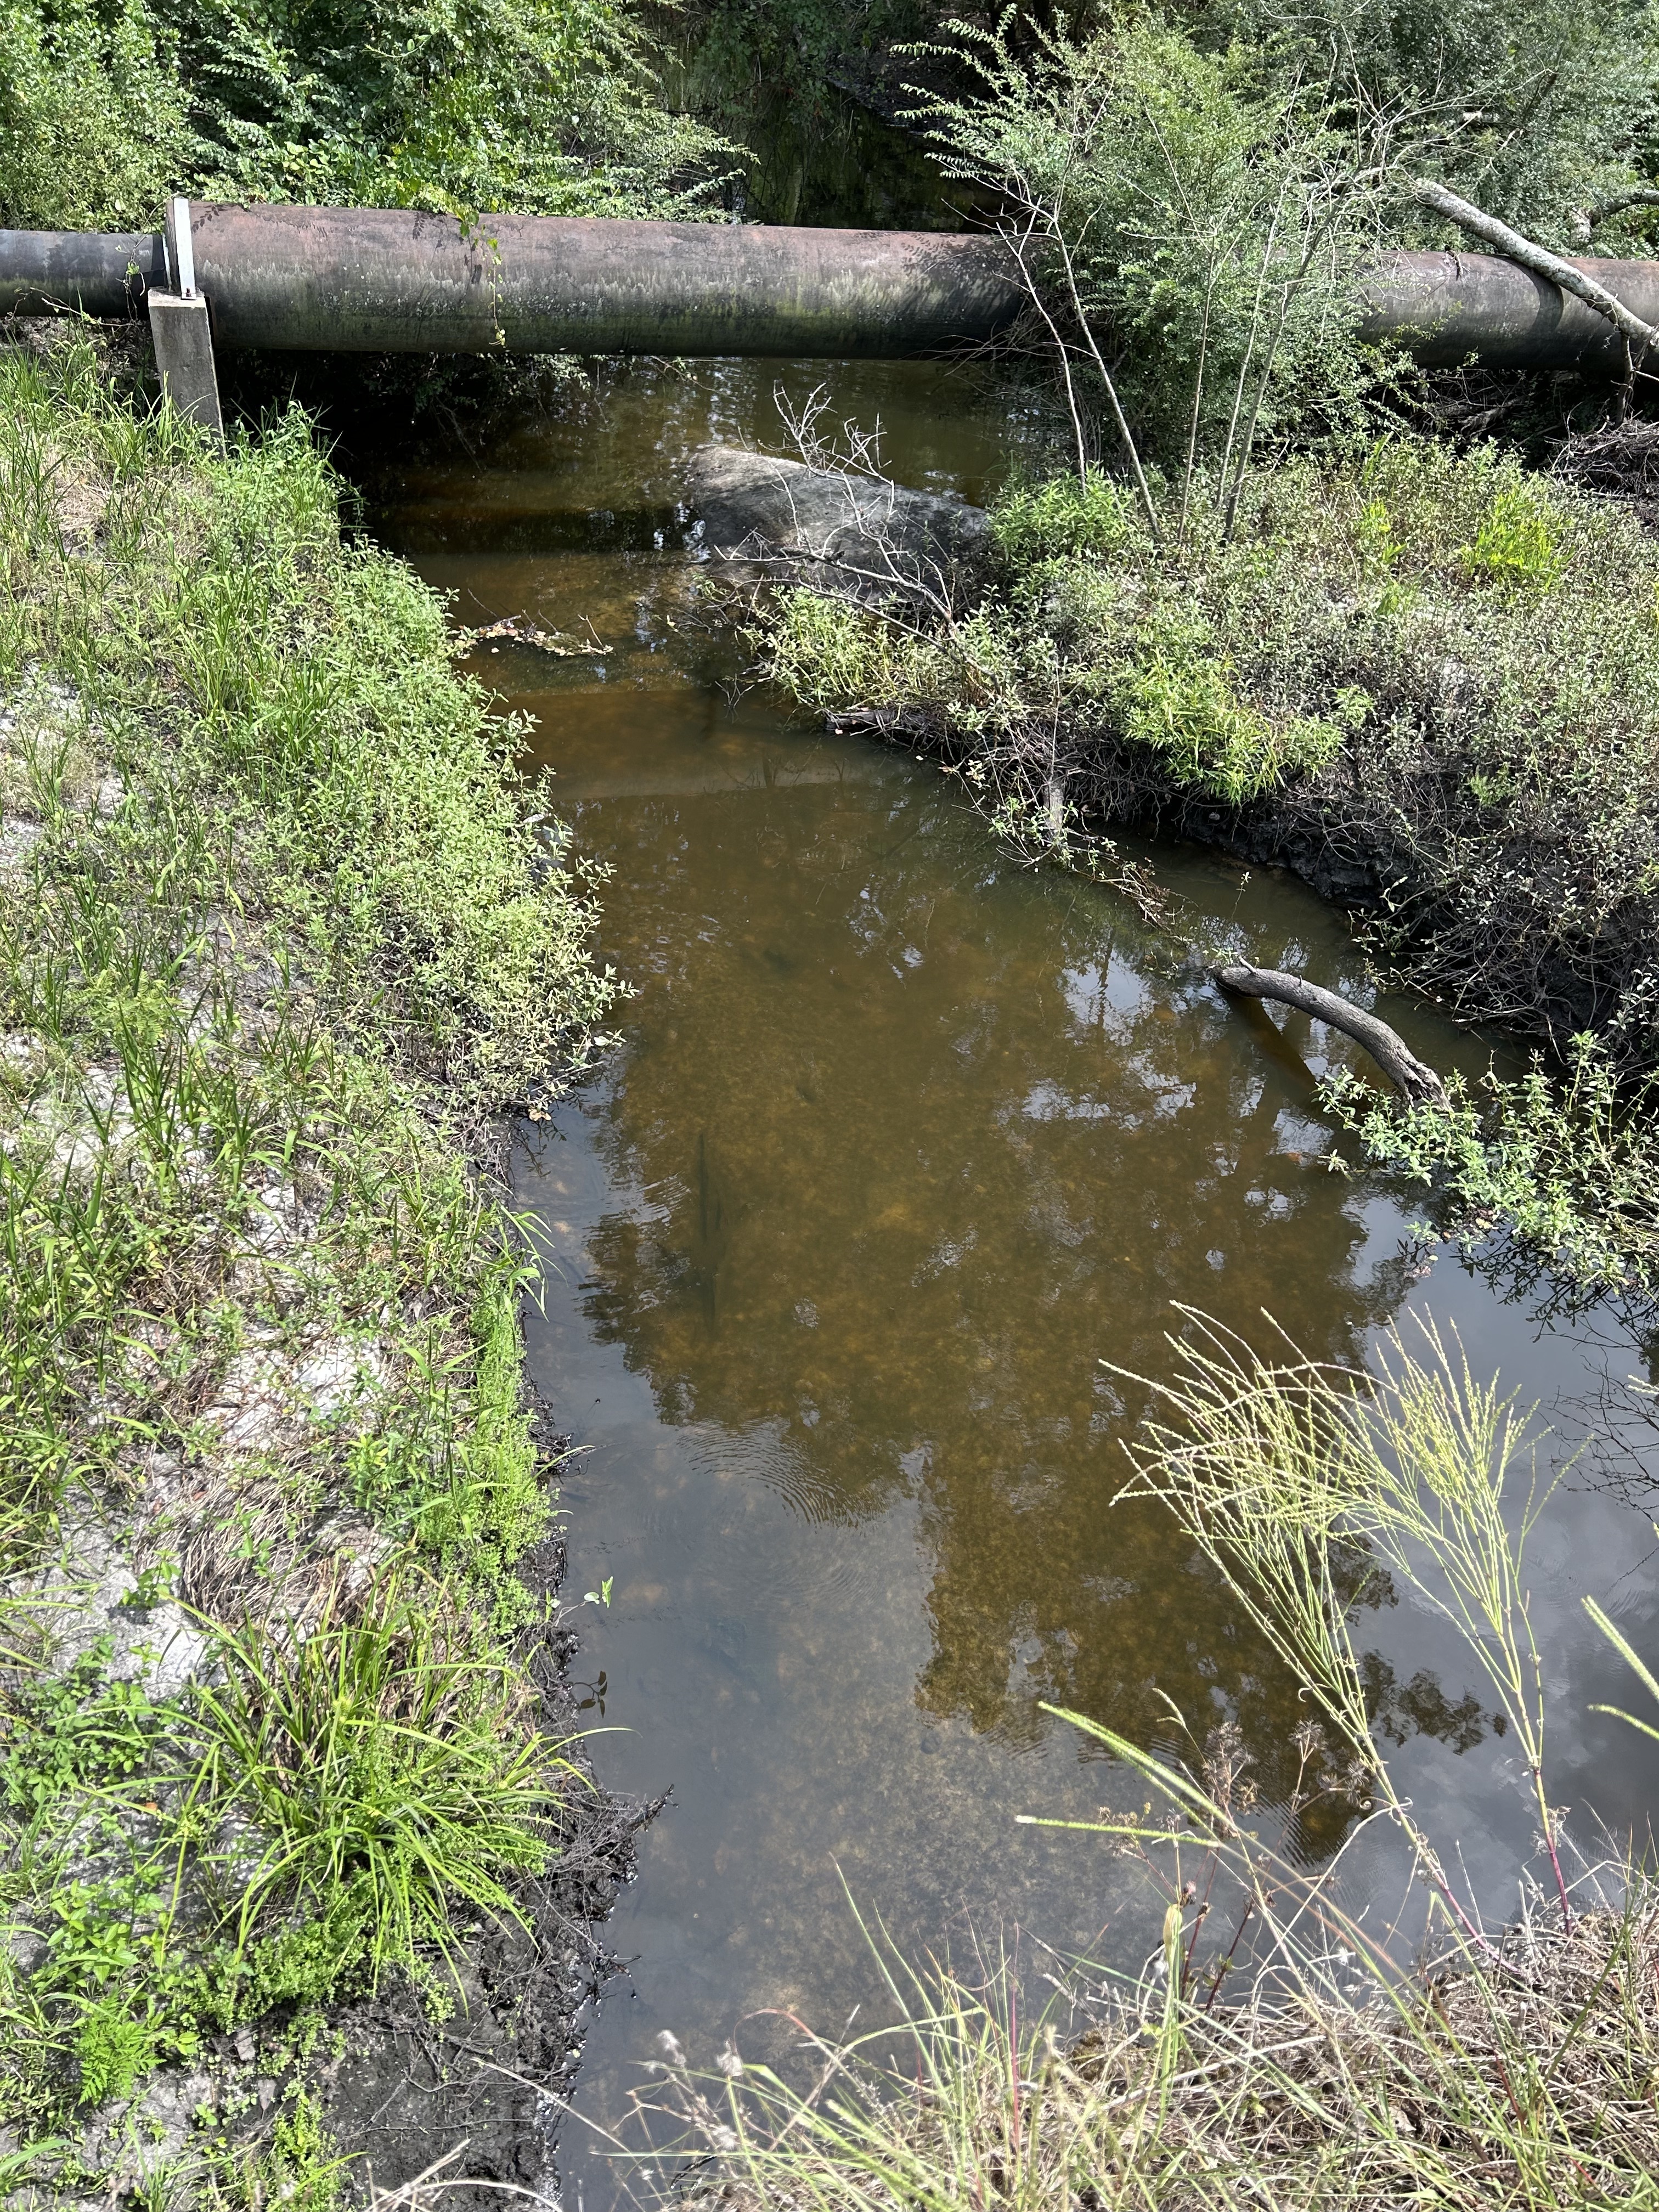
898	1141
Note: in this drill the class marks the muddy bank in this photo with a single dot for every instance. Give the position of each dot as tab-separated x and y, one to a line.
405	2090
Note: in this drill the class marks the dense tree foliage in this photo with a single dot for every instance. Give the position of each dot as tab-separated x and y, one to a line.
1534	109
539	106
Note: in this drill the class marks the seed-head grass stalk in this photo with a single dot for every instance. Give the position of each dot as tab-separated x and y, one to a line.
1634	1661
1332	2075
1286	1472
1491	2068
1318	2067
970	2100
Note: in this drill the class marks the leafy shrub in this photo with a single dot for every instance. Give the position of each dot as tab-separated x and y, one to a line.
1565	1163
1060	517
1197	204
1183	705
93	122
1533	109
1516	544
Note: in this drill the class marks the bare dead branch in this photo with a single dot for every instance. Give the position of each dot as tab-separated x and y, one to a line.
1541	262
1586	222
1413	1078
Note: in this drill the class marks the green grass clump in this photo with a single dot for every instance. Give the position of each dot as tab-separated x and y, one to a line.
388	1763
280	929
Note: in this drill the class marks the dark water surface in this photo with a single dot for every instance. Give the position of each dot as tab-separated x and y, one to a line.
899	1142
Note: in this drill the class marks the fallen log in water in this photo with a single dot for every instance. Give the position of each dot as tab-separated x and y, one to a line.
1413	1078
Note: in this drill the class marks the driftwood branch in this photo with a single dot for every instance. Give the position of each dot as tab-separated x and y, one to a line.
1415	1081
1541	262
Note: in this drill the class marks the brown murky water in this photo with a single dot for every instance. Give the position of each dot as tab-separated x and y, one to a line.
899	1142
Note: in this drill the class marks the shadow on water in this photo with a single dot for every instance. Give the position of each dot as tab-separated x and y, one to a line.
899	1142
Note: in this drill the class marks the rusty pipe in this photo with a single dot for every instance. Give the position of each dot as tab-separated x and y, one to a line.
373	281
378	280
99	273
1445	307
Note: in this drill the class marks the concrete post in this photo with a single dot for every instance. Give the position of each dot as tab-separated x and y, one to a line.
184	353
183	335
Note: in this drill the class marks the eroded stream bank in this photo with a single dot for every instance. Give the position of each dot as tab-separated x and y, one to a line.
900	1140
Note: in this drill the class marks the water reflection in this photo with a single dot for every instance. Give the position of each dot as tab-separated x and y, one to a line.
922	1146
899	1142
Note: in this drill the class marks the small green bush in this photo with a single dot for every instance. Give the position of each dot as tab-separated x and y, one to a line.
1516	544
1059	517
1183	706
1563	1161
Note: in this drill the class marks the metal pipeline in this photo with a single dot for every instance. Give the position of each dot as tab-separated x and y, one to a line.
378	281
382	280
1443	307
99	272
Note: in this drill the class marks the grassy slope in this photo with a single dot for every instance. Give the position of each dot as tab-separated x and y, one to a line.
1428	680
278	934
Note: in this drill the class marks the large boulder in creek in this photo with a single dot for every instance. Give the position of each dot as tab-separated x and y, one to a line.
850	534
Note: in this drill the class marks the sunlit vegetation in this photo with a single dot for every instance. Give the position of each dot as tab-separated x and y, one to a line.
279	931
551	107
1257	610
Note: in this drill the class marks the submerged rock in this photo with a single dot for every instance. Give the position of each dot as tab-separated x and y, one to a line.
856	535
